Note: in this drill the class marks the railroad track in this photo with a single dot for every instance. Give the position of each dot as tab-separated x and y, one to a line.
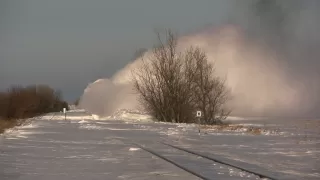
204	156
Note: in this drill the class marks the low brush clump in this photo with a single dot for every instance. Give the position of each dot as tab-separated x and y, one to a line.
19	103
234	128
8	124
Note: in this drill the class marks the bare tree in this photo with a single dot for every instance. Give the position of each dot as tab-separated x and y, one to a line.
160	84
173	85
209	92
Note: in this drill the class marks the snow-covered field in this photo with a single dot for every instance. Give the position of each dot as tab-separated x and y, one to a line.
86	146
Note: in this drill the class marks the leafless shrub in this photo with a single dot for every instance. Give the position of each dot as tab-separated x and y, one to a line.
173	85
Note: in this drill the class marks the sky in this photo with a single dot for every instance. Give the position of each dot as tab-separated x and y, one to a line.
69	43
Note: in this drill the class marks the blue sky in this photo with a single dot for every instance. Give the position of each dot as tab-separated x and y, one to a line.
69	43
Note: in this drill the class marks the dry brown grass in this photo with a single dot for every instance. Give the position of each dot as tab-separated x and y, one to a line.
254	130
233	127
4	124
8	124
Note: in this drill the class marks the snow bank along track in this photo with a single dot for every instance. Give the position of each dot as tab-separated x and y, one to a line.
196	155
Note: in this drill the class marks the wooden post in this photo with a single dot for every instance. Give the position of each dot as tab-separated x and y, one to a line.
199	120
65	113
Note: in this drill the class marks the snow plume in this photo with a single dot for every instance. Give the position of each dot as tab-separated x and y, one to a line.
268	53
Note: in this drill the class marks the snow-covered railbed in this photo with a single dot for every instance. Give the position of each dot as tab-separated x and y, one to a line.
84	147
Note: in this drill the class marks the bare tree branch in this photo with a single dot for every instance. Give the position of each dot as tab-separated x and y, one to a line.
173	85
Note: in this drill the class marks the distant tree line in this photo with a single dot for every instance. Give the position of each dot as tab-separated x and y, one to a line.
20	102
76	102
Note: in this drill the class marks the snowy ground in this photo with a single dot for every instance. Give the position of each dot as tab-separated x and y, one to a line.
87	147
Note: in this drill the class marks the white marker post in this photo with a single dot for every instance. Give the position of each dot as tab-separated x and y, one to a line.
199	114
65	113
